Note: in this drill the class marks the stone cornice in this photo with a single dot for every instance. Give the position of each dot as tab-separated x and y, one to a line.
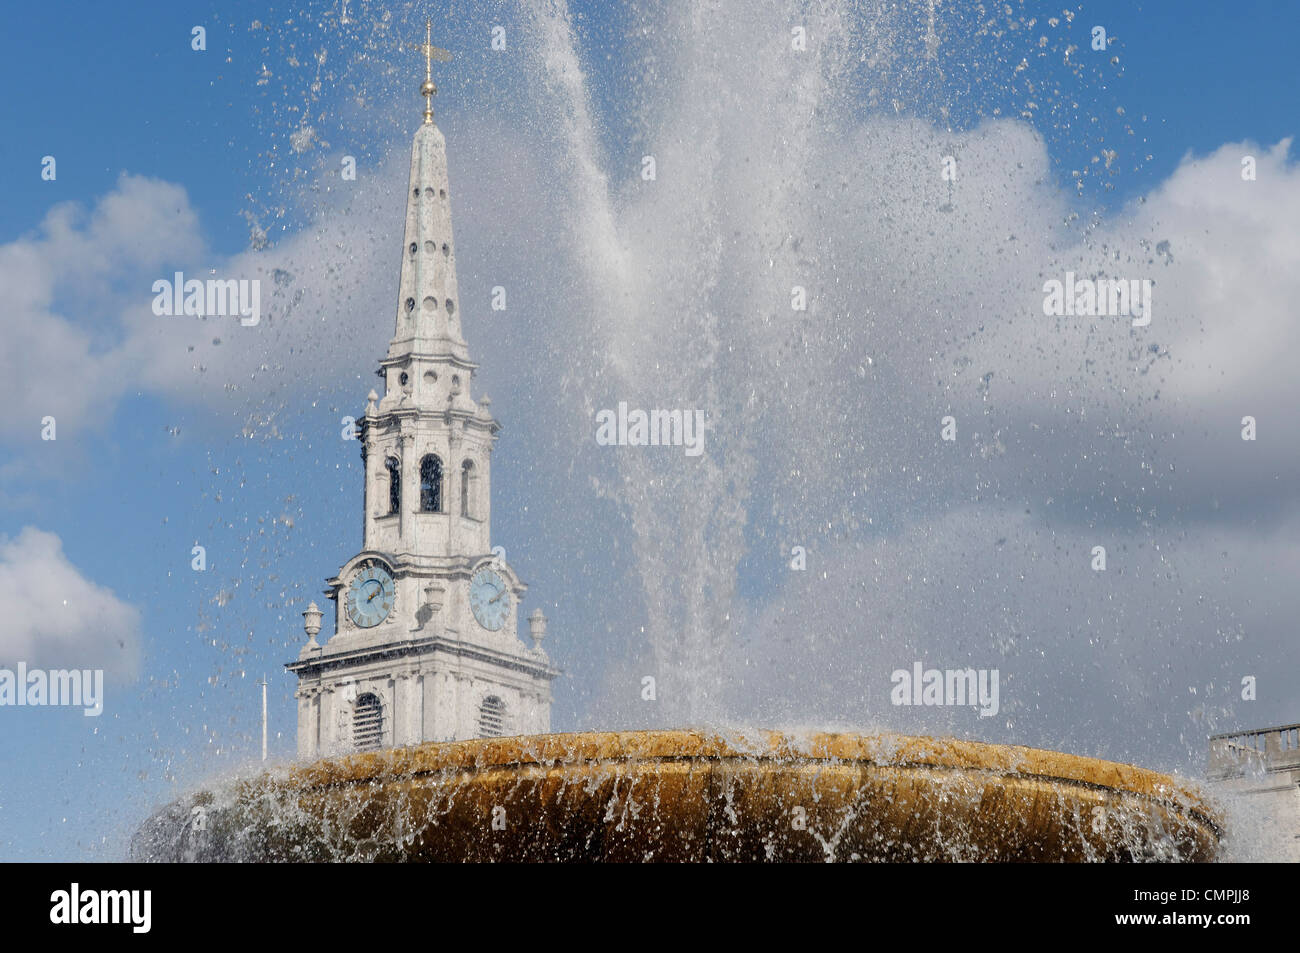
321	665
413	411
443	358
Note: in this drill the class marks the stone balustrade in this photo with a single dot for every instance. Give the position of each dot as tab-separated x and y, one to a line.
1269	749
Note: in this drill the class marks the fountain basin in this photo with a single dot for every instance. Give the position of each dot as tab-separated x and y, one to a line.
693	796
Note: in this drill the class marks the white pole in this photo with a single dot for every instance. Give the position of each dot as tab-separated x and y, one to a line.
263	717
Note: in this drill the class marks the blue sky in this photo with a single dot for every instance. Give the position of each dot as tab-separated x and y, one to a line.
145	469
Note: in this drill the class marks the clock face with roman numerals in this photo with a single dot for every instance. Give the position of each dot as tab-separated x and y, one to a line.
370	595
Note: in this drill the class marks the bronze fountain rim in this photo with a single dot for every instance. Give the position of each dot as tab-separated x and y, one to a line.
883	750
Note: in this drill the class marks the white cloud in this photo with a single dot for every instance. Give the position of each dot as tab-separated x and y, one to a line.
54	617
64	355
80	331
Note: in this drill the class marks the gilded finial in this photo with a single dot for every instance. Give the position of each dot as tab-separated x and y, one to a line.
431	53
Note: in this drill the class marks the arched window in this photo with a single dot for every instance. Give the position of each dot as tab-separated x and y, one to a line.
394	484
431	484
367	723
491	718
466	490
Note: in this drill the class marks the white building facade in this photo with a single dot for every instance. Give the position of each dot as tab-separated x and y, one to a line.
425	645
1258	773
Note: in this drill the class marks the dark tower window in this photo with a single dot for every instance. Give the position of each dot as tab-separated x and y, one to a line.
368	723
466	477
491	718
394	485
431	484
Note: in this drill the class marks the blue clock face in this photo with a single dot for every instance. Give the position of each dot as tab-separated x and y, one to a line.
489	598
370	596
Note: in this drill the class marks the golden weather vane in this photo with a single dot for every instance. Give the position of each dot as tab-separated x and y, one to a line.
431	53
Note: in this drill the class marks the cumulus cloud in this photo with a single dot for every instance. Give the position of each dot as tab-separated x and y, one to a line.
54	617
65	355
82	332
1165	402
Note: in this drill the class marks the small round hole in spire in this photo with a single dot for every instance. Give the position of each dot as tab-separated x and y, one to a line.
413	249
451	306
410	304
430	303
442	192
430	248
416	193
446	250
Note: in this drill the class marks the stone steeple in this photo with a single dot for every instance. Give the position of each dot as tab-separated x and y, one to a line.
427	376
428	324
425	644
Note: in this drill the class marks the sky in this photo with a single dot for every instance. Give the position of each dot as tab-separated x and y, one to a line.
776	167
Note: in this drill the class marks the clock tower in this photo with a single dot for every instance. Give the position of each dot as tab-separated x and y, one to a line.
426	614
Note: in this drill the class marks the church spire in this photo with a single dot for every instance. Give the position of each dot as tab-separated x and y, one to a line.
425	644
428	323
